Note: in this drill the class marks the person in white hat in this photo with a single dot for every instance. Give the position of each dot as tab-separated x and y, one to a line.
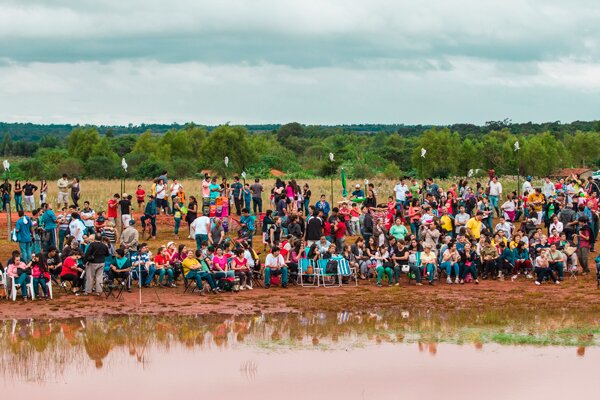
358	192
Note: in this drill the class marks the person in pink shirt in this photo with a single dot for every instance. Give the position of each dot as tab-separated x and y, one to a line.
220	265
19	271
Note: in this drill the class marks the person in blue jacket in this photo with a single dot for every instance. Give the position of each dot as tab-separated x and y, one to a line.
24	233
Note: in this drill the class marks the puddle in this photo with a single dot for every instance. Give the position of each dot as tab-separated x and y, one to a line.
406	354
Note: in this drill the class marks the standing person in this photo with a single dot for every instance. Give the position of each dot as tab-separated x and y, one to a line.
247	194
125	205
24	231
18	195
306	193
192	213
323	205
400	190
50	223
63	191
548	189
216	235
5	191
495	193
163	177
112	209
63	220
43	191
205	192
257	189
201	227
88	215
314	229
215	191
161	201
150	213
29	190
75	192
77	228
367	224
584	238
94	257
130	237
140	195
179	211
174	189
236	190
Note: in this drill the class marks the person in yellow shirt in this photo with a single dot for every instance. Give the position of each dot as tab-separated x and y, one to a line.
474	226
536	199
446	221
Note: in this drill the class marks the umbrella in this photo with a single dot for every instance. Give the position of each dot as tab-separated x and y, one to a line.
344	190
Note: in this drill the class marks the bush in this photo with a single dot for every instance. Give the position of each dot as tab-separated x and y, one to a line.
360	171
392	171
102	167
150	169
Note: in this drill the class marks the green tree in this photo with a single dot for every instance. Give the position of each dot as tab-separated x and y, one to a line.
584	148
148	146
228	141
542	154
442	147
292	129
81	141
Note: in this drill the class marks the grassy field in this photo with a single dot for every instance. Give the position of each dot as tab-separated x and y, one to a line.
97	192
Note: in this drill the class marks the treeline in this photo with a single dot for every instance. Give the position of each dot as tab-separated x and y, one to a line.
302	151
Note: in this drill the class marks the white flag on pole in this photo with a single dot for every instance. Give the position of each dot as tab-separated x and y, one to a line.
517	147
124	164
423	152
6	165
331	157
226	161
243	174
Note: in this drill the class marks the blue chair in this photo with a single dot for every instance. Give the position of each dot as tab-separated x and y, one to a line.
322	267
346	271
303	268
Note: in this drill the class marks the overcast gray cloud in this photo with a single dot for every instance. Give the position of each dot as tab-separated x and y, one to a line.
313	61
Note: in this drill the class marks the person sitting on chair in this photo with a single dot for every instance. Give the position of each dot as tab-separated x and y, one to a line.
275	265
142	263
120	267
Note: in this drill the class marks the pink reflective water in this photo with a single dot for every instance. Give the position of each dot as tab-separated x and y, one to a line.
386	371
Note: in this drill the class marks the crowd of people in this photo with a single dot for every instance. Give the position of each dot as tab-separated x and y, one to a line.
459	234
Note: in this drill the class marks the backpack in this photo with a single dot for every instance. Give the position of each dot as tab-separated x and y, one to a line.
226	284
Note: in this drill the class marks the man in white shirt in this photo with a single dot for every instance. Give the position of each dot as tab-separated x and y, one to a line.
495	193
88	215
76	228
548	189
161	194
275	265
527	187
400	189
174	189
63	191
201	227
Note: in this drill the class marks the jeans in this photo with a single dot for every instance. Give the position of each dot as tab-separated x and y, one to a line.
40	282
25	248
430	269
18	202
257	203
165	271
239	204
543	273
306	211
93	271
62	234
583	254
200	238
414	229
5	201
494	203
50	239
198	276
449	266
177	224
471	269
245	277
355	226
381	270
559	268
284	275
23	280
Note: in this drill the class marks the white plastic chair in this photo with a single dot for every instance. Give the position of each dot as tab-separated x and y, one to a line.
3	283
14	287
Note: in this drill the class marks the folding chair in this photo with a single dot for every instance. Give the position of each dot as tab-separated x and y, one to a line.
573	271
303	265
118	285
189	284
322	266
257	277
346	271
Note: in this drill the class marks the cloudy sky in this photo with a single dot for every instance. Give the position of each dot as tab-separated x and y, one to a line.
311	61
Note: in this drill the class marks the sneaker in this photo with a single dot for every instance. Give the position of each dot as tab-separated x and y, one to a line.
537	283
529	276
557	282
477	281
397	284
284	286
173	285
431	283
513	278
448	280
456	281
242	288
379	285
267	286
462	281
248	287
419	284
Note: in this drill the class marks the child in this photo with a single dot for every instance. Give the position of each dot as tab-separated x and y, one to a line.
178	213
40	275
140	194
355	219
163	267
100	221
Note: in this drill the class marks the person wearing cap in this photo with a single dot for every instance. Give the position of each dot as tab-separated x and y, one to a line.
150	215
357	193
527	187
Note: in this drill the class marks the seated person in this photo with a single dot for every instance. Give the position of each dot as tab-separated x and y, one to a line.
556	261
542	268
522	261
141	262
120	267
53	262
163	267
71	271
19	271
469	261
239	265
40	275
275	265
450	259
196	270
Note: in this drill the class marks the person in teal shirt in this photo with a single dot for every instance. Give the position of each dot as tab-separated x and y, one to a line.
48	220
247	193
215	189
